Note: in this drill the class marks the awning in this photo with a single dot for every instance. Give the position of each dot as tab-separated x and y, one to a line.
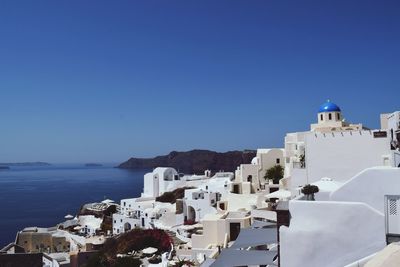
255	237
149	250
280	194
233	257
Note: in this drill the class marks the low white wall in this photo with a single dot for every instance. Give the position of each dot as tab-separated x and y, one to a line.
330	234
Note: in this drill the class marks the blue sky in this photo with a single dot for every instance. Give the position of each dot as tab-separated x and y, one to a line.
88	81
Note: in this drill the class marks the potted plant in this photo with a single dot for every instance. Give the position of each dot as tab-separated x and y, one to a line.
309	191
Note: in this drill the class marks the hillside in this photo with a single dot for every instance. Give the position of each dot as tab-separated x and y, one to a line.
194	161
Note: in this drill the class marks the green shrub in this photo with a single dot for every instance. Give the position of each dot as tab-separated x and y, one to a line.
274	173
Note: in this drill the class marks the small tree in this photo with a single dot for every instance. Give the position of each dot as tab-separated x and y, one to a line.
274	173
302	161
309	191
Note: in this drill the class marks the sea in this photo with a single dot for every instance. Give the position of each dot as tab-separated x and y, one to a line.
43	195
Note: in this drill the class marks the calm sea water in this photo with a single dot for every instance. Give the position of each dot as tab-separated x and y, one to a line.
42	196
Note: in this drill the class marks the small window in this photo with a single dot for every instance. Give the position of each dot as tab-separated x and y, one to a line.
321	117
330	116
393	207
278	161
338	116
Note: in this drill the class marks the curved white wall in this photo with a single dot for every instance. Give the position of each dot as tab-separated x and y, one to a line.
370	186
330	234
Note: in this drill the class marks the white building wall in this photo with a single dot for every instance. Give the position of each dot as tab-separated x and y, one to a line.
341	155
297	180
202	205
150	186
270	157
119	222
330	234
370	186
160	180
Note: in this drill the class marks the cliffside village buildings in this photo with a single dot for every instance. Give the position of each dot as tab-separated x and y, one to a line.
242	219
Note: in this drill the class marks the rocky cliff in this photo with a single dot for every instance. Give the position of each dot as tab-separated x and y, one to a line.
194	161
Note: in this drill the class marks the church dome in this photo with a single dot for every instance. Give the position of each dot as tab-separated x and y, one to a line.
328	106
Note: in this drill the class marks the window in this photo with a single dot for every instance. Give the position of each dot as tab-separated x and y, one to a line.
321	117
338	116
330	116
278	161
124	204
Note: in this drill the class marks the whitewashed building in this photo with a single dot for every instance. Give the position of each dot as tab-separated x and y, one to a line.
338	152
160	180
249	178
353	223
132	214
198	202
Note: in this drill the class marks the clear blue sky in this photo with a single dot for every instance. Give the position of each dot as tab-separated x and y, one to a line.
100	81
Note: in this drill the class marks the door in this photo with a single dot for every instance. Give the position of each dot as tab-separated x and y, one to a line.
234	231
236	189
393	214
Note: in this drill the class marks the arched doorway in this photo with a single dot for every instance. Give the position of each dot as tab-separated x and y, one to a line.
127	227
191	214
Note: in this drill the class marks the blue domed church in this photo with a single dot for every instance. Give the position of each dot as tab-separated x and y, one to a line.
330	119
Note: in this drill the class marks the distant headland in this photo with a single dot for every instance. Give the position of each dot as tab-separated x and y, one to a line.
194	161
25	164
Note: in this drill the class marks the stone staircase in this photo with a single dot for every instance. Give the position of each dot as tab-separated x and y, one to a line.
176	241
